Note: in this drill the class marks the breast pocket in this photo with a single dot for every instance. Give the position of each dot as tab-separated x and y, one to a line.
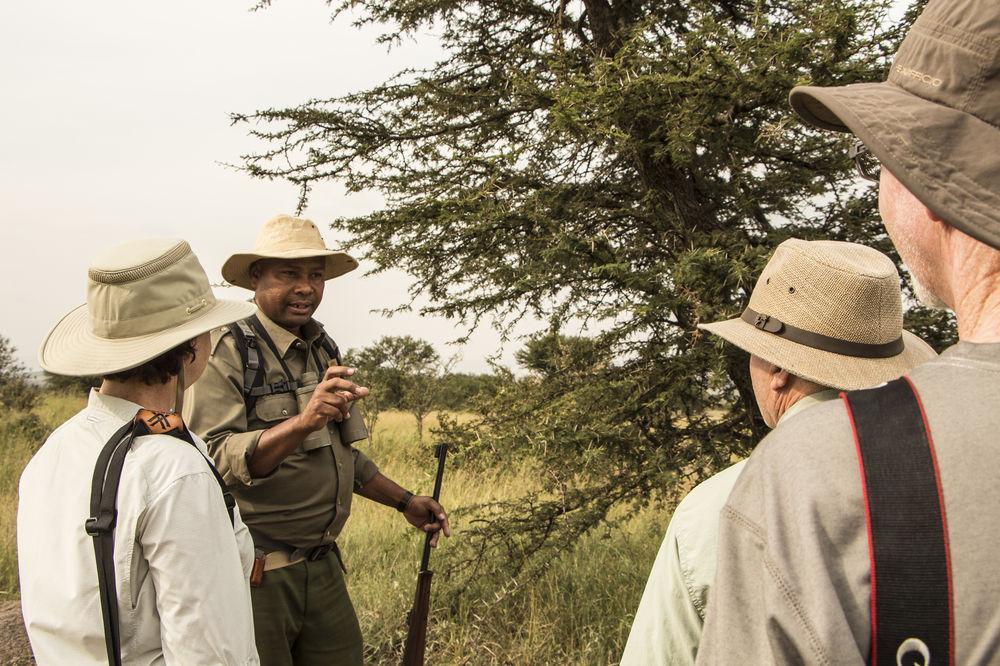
275	408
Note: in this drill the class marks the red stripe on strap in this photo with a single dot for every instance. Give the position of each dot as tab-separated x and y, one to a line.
944	523
868	525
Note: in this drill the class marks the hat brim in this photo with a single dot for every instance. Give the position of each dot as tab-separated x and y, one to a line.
70	348
947	158
236	270
822	367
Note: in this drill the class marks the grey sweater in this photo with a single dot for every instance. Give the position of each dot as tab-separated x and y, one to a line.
792	585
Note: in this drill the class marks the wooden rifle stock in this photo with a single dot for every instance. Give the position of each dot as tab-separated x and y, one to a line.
416	634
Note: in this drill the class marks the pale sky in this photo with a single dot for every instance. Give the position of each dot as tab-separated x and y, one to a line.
115	120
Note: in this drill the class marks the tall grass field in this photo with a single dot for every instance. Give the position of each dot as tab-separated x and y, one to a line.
577	612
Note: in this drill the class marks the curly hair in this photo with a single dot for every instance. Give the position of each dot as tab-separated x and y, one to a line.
161	369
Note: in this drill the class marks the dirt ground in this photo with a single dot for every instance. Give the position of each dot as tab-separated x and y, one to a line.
14	649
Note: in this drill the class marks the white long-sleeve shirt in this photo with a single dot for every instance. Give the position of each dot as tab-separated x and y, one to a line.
181	568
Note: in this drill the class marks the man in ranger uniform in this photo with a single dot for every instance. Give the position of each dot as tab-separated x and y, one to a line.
277	411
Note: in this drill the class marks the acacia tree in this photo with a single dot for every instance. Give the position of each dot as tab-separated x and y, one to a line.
627	163
402	372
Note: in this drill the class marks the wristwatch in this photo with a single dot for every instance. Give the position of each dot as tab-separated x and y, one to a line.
404	501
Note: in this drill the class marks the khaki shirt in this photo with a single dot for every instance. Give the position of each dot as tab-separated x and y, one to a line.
306	500
793	583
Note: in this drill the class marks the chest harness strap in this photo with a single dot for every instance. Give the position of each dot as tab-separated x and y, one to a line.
246	333
911	585
104	509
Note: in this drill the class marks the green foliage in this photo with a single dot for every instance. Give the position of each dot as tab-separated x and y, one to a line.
461	391
402	372
66	384
549	353
16	389
22	432
627	165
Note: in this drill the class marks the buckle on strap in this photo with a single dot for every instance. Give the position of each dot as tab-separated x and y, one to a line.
102	524
318	552
312	554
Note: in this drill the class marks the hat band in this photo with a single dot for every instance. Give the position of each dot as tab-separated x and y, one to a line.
819	341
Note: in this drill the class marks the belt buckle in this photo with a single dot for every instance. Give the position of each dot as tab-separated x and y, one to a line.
319	552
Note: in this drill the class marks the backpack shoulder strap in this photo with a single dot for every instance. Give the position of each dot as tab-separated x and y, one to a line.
246	344
911	584
104	510
328	345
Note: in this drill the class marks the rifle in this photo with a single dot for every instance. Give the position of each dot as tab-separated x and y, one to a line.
416	634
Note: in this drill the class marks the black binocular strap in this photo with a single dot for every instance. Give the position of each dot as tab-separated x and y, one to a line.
911	586
104	517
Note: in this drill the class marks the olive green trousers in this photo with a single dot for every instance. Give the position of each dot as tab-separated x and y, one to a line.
303	616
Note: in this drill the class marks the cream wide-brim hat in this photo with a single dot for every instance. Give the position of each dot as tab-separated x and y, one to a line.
935	123
841	291
287	237
143	299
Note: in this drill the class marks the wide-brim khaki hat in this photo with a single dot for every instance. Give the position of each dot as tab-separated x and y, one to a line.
143	299
830	312
935	123
286	237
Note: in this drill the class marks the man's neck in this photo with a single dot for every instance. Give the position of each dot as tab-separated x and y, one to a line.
158	398
975	293
294	330
795	397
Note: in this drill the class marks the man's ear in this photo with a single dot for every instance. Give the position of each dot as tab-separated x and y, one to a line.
779	378
254	275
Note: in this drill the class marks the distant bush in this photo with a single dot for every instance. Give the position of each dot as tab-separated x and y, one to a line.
459	391
16	389
64	384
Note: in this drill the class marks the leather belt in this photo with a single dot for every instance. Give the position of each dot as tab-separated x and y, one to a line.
278	559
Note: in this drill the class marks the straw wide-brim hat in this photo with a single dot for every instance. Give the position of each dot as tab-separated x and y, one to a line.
143	299
830	312
935	123
286	237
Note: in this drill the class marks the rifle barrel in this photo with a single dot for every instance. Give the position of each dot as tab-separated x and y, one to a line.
440	451
416	635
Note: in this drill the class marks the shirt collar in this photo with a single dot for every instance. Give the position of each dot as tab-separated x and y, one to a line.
119	407
283	338
980	352
808	401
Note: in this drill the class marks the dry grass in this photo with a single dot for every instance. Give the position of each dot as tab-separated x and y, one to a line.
578	612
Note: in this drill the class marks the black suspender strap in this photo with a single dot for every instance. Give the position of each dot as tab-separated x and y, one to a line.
246	342
263	335
246	333
104	510
911	586
329	346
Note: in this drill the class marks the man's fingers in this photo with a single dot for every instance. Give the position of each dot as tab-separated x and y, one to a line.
336	384
440	515
333	405
337	371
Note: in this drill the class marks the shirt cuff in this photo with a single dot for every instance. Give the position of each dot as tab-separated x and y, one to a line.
240	447
364	469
